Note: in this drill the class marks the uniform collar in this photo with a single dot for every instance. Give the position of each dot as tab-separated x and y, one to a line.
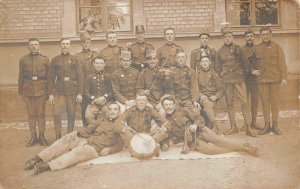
112	119
65	54
229	45
205	70
204	46
181	67
34	53
99	72
249	44
140	42
125	69
169	43
267	43
86	50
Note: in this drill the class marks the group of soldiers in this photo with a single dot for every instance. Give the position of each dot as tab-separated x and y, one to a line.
138	89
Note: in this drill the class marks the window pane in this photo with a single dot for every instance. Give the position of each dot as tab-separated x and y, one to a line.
119	15
90	19
239	12
266	12
90	3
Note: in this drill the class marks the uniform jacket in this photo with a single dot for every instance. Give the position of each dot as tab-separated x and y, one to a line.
98	84
210	83
154	80
248	51
85	58
231	63
124	84
269	59
140	121
138	53
185	84
65	76
167	53
105	135
33	70
196	57
183	117
111	55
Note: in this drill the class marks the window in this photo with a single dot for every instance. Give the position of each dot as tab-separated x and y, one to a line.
252	12
104	15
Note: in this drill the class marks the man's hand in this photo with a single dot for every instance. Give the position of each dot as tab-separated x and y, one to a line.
51	99
79	98
100	101
256	73
193	128
104	152
283	83
197	105
203	99
154	128
213	98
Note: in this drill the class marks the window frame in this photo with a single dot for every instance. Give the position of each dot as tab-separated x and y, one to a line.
253	14
105	8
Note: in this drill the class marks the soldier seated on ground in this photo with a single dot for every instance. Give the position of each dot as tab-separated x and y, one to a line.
98	91
188	126
211	89
80	146
139	118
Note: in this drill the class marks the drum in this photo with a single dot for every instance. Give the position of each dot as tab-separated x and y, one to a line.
142	146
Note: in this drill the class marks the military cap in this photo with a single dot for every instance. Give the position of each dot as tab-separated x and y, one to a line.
139	29
126	55
204	32
151	53
248	31
226	30
166	97
85	36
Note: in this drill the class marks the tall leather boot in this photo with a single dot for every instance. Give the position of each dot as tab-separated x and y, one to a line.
41	167
32	162
42	140
232	130
266	129
33	140
276	129
254	125
250	132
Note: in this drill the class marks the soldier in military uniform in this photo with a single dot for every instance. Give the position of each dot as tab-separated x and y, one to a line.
231	63
270	69
184	83
167	53
139	119
33	70
98	91
250	80
153	81
65	86
203	50
85	58
188	126
124	82
139	48
210	87
80	146
112	53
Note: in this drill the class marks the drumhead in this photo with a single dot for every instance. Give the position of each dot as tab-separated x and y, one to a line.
142	148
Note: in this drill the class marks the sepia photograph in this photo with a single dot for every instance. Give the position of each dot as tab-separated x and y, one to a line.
152	94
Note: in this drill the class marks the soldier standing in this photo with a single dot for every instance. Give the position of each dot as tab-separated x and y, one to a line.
111	53
139	48
124	82
167	53
65	86
32	82
270	68
85	58
203	50
250	80
230	64
153	81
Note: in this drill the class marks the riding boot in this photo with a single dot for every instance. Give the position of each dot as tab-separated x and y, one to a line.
266	129
41	167
42	140
33	140
250	132
276	129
